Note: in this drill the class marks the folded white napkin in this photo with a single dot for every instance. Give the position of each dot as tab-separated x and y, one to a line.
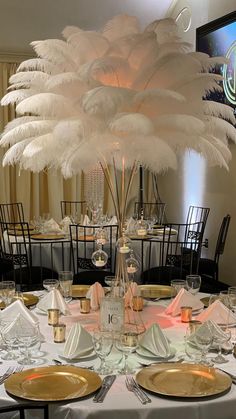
95	293
130	293
51	226
78	343
53	299
183	298
65	223
20	323
15	309
155	342
218	313
86	221
113	221
205	328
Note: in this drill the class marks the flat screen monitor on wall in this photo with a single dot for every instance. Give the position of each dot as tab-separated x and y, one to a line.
218	38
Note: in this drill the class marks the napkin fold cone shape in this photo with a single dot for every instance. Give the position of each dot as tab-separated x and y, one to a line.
155	342
95	293
53	299
218	313
208	327
78	343
183	298
17	308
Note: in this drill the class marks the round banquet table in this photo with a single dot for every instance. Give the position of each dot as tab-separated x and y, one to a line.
119	403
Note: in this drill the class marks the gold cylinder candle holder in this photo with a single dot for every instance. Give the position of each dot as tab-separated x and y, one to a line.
53	316
137	303
194	325
59	333
84	305
186	314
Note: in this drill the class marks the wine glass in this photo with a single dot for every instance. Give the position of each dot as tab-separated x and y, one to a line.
65	281
127	342
102	343
9	338
192	350
178	284
204	341
193	283
50	284
27	338
7	291
220	339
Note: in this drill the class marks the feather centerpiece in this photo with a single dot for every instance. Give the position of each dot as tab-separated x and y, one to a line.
120	96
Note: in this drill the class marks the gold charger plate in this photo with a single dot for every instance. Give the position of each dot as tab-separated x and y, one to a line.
79	291
156	291
184	380
47	236
53	383
29	300
205	301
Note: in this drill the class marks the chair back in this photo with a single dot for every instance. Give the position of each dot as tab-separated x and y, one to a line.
84	243
73	209
21	408
12	212
150	209
197	214
15	240
220	244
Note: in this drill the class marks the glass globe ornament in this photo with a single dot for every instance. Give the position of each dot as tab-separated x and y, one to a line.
141	227
124	244
99	258
132	264
101	237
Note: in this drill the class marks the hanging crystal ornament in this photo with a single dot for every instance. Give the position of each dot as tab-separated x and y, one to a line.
141	227
99	258
132	264
101	237
94	192
124	244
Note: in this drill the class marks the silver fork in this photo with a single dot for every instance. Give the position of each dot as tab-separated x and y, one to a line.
144	399
6	374
135	384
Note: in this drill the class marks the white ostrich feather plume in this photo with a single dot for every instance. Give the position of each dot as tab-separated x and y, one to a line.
116	93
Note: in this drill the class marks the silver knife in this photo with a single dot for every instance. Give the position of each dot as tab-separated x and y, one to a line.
106	385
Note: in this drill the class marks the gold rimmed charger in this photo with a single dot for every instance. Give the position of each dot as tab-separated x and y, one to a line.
184	380
53	383
29	300
156	291
47	236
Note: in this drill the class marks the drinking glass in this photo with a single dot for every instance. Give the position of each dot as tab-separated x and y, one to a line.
192	350
9	339
193	283
204	341
66	280
27	338
232	306
110	281
220	340
102	343
50	284
127	342
178	284
7	291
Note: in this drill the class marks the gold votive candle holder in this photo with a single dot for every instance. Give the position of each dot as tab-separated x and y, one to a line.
137	303
186	314
53	316
59	333
84	305
194	325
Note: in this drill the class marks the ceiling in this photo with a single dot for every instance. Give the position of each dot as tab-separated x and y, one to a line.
28	20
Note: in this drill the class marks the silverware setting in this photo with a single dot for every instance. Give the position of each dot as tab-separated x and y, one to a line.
133	386
147	364
9	371
106	385
232	376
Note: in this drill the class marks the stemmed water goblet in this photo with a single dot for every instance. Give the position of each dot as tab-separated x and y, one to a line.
66	281
50	284
126	343
27	337
204	341
220	339
7	289
102	343
193	283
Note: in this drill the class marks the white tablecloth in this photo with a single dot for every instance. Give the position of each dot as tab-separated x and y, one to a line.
119	403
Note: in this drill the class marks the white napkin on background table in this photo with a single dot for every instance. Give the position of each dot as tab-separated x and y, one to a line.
78	343
53	299
218	313
51	226
17	308
86	221
183	298
155	342
130	226
95	293
65	223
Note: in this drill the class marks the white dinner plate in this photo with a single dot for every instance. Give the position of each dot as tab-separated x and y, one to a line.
89	355
146	354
